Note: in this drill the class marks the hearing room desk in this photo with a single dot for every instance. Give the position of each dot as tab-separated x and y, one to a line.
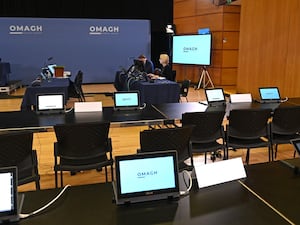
227	203
51	86
22	120
158	91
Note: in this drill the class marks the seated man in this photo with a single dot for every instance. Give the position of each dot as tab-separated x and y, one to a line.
148	65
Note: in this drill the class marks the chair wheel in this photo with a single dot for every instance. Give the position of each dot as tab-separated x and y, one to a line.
213	158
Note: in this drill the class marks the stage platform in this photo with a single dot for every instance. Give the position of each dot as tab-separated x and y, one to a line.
11	86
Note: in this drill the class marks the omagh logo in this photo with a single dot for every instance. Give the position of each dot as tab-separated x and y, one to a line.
25	29
143	174
103	30
189	49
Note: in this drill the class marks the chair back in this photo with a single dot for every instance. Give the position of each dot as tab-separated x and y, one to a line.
177	138
286	120
208	125
79	78
78	85
82	140
248	123
16	150
184	88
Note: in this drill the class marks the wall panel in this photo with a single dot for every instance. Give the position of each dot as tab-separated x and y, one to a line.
269	49
223	21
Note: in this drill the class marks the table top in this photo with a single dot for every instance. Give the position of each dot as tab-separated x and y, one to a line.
227	203
20	120
174	111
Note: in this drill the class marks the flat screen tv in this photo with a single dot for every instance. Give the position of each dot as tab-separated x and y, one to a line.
192	49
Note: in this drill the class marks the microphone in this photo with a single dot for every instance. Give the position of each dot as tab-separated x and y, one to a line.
50	58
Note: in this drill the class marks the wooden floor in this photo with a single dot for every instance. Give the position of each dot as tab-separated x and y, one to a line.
125	140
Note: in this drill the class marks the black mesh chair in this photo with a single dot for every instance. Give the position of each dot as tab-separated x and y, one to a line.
82	146
184	89
175	138
16	150
208	134
247	129
75	88
285	126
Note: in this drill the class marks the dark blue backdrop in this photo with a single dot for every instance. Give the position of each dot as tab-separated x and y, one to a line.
98	47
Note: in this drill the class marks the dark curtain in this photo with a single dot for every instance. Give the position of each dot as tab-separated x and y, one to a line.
159	12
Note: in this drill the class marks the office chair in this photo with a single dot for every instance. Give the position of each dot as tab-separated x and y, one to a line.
16	150
75	89
184	89
173	75
285	126
208	134
175	138
247	129
82	146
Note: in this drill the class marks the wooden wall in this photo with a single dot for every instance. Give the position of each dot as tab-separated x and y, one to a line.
269	50
224	23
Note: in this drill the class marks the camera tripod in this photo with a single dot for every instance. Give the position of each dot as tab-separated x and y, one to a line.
204	79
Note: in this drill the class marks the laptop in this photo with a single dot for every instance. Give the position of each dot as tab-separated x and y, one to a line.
146	177
269	94
10	202
126	100
215	96
48	103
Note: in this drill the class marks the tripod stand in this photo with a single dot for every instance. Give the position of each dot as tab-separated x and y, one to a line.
205	79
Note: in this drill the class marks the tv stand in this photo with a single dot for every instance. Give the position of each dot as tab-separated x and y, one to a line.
205	79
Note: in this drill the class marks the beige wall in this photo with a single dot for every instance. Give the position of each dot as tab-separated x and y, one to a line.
269	49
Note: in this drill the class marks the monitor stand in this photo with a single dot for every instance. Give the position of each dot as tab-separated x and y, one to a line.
205	79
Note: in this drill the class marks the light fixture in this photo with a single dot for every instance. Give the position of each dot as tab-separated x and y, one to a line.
170	29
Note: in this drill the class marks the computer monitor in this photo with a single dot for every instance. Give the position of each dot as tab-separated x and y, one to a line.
10	203
126	100
50	103
215	96
269	94
146	177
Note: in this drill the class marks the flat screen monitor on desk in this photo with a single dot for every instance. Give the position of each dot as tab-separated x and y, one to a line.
10	204
126	100
215	96
146	177
50	103
269	94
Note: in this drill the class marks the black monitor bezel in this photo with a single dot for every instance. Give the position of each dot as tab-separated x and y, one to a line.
58	110
167	153
208	56
117	107
13	213
271	99
212	102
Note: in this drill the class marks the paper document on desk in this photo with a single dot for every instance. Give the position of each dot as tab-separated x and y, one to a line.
219	172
